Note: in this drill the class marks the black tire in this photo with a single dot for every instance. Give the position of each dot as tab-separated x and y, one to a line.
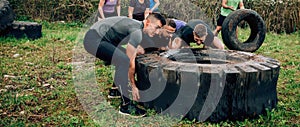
245	83
20	29
6	15
257	26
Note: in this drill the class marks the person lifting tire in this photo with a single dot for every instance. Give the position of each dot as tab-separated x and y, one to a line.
257	26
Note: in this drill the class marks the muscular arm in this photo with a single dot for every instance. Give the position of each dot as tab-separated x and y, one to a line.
131	53
175	44
217	43
100	8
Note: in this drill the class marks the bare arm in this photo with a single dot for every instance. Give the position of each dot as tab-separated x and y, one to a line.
130	11
118	6
224	5
217	43
100	8
140	50
146	12
131	53
241	5
175	44
155	6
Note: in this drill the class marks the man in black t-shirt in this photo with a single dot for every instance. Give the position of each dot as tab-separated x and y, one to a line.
195	31
105	39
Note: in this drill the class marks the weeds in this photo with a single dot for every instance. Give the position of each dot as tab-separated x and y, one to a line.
36	87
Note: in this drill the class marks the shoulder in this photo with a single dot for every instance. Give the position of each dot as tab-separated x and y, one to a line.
184	31
194	22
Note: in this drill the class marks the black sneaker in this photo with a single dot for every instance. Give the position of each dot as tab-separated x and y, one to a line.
114	93
132	110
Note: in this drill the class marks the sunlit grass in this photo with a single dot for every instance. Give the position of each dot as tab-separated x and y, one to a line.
40	91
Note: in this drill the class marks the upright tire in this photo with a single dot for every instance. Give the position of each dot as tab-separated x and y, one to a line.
208	85
6	15
257	26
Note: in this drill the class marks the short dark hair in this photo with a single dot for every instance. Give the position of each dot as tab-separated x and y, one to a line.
159	17
171	22
200	30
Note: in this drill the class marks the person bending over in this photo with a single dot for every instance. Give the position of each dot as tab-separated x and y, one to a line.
195	31
104	40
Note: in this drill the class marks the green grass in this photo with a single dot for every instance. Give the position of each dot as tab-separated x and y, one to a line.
41	91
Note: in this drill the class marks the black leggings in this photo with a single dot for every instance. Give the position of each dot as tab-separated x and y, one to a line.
108	52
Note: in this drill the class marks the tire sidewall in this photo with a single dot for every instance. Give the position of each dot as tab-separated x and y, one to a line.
257	27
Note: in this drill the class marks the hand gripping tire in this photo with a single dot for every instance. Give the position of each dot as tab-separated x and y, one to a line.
257	26
208	85
6	15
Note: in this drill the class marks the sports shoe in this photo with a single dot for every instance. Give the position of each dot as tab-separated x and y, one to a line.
132	110
114	93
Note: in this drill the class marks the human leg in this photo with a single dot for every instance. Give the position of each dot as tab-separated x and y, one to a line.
109	52
219	25
217	30
113	91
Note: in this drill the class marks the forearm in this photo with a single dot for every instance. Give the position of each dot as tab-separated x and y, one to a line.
170	44
101	13
100	8
146	12
175	44
218	43
224	5
131	76
130	11
119	10
131	53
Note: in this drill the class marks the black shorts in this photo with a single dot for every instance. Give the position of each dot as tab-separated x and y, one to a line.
220	20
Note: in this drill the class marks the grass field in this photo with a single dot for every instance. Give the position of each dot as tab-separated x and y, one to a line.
37	89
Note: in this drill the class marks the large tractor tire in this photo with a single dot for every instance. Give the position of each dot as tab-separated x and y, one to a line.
6	15
257	26
207	85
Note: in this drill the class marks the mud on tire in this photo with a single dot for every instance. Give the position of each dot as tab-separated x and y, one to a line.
6	15
257	26
219	84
